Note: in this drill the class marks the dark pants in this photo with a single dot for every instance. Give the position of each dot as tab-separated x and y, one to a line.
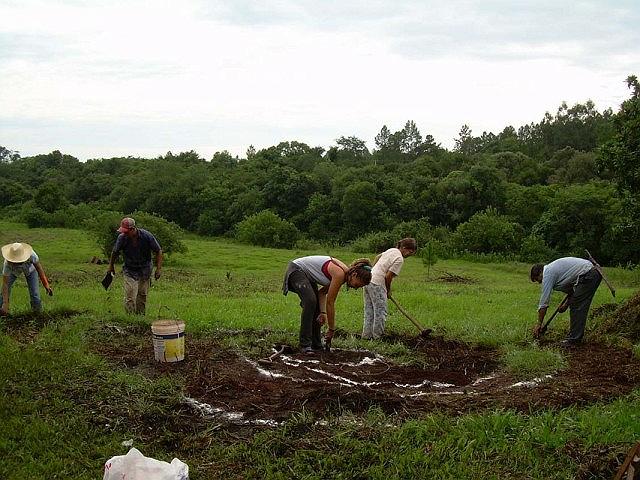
298	282
580	302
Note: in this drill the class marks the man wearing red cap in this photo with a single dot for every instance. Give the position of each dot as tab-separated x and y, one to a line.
136	245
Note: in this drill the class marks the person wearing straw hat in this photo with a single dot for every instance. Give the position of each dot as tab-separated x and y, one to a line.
20	258
136	244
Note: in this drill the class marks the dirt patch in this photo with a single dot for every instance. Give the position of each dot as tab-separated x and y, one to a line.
452	278
229	387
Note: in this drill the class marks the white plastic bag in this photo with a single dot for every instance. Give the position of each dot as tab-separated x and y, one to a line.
135	466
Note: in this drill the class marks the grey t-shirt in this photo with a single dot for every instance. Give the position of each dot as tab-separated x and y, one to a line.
315	266
562	275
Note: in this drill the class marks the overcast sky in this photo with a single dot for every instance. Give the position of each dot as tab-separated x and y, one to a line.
110	78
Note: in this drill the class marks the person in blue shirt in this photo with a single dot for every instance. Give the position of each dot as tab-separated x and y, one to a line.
136	244
579	279
21	259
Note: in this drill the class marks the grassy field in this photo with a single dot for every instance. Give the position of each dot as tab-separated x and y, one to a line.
65	410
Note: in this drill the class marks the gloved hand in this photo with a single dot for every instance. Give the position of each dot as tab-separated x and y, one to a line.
322	318
157	274
49	291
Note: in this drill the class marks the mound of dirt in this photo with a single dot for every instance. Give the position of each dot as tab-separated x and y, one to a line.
452	278
625	321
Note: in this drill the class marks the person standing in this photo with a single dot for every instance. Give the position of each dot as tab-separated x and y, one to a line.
21	259
136	245
579	279
303	275
387	266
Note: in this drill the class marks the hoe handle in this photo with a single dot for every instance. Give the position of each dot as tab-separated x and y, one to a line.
546	324
414	321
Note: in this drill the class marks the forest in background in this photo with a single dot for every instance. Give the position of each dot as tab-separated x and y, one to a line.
551	188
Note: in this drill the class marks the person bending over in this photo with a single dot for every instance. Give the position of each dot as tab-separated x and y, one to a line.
304	275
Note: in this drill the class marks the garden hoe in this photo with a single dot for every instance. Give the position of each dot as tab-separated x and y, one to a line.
540	333
424	332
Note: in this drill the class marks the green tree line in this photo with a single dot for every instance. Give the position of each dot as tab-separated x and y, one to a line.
565	183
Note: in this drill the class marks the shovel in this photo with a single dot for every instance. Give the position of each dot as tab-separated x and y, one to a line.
424	332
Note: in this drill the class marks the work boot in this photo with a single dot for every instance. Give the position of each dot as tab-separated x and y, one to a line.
307	350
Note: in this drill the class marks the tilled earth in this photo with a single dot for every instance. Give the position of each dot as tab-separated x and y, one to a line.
454	377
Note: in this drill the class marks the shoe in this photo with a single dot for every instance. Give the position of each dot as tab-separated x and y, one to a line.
569	343
317	348
307	350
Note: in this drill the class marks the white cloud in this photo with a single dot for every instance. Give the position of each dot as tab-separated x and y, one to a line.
143	77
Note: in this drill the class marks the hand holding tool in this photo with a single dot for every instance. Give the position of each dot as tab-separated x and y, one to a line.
540	330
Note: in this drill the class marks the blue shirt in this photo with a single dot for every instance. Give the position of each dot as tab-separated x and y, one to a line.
137	254
26	267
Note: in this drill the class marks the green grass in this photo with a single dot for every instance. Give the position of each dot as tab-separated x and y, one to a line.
533	362
65	410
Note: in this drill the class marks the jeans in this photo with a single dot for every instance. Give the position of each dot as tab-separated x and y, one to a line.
34	289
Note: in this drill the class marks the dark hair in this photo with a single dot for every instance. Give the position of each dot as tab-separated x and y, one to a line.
536	271
409	243
360	268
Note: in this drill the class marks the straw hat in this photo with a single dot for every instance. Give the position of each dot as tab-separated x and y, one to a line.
17	252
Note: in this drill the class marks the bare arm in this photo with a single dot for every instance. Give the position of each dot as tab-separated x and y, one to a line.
43	278
541	313
337	279
112	261
388	278
4	309
159	260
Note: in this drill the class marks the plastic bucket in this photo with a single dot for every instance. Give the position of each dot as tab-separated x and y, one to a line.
168	340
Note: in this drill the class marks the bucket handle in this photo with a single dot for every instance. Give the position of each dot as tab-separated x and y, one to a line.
170	311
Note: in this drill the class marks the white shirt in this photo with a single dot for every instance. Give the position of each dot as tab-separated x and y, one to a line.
390	261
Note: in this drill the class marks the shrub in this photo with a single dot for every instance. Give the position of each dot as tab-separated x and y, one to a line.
73	216
105	225
535	250
421	230
33	216
488	232
375	242
266	229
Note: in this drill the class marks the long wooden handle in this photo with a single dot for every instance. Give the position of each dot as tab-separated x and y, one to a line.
546	324
418	326
601	272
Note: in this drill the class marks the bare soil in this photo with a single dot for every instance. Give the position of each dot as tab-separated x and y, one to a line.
453	377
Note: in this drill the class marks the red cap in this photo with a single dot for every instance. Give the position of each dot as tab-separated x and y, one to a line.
127	224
